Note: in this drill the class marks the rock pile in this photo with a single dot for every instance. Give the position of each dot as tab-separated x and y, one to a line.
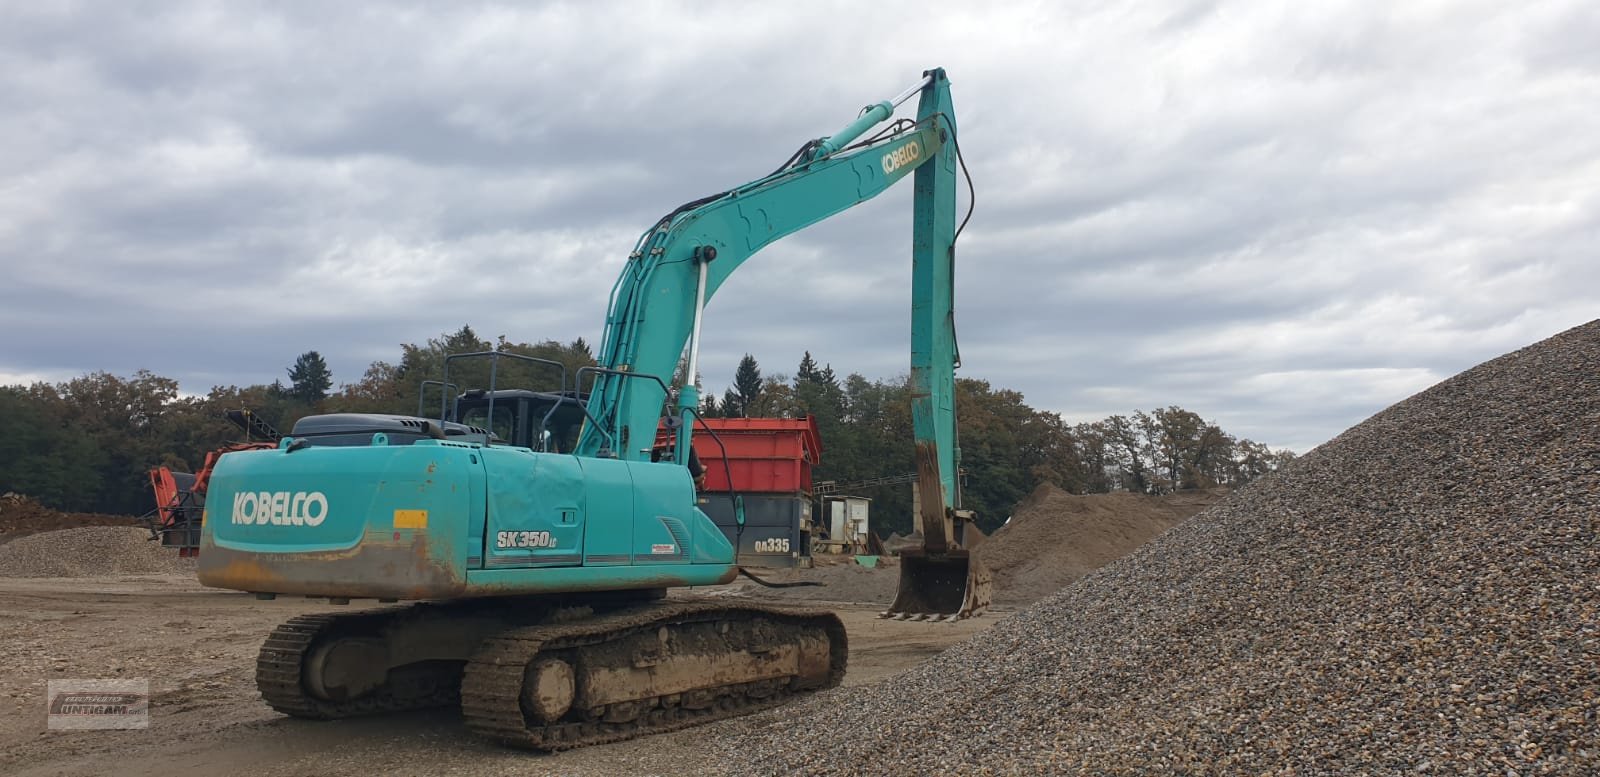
20	514
89	551
1420	594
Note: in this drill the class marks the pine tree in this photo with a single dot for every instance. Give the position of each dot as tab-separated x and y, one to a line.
309	378
807	370
464	341
747	383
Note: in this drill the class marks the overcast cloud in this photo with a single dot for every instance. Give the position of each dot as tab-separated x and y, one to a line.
1283	218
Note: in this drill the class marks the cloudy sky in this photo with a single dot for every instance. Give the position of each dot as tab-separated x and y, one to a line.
1283	218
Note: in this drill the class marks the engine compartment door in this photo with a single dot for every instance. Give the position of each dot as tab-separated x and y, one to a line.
535	514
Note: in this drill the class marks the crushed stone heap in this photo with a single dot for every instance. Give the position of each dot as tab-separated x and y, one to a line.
1420	594
89	551
22	515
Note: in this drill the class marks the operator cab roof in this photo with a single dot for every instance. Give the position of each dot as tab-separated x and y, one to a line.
358	428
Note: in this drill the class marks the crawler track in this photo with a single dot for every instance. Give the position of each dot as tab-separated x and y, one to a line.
280	664
491	688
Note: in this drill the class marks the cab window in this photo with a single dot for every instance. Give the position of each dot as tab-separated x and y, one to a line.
504	425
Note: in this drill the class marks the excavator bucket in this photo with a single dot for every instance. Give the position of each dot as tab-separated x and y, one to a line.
945	586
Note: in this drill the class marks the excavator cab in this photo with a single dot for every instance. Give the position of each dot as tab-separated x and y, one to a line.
542	421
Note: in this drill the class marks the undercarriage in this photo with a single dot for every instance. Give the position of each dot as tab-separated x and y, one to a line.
554	673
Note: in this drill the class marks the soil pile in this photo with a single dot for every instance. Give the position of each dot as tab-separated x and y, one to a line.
1418	595
20	515
89	551
1054	538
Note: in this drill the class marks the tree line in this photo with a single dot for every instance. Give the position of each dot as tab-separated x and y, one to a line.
1007	447
86	444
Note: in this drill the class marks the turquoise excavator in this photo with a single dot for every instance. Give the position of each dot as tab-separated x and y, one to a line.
534	536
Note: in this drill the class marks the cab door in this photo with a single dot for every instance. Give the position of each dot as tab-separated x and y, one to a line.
536	511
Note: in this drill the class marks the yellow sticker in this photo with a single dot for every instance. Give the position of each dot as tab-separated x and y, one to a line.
411	519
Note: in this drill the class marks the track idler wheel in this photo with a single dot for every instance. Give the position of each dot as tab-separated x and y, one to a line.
548	689
346	668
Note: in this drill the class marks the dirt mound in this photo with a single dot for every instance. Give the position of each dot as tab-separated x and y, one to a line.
898	542
1054	538
20	515
1416	596
89	551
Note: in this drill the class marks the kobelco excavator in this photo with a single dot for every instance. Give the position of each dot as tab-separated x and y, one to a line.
546	555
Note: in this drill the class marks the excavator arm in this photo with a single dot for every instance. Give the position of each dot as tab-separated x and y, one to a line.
678	265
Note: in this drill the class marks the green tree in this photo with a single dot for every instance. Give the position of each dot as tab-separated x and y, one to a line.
1127	453
808	370
309	378
775	400
47	451
1096	461
378	391
745	391
128	420
1169	449
580	352
1191	452
817	393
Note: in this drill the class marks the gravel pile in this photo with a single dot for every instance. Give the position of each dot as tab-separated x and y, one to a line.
1054	538
21	515
1419	595
90	551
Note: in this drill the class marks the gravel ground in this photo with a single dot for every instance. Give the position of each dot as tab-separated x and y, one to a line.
197	647
1419	595
842	580
87	551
